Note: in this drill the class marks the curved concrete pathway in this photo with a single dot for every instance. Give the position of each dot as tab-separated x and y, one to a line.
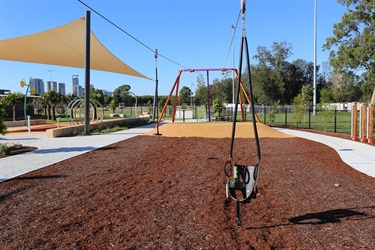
358	155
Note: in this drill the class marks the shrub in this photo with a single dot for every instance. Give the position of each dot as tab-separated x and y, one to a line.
4	149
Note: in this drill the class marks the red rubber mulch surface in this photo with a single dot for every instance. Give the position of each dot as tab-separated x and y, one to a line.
169	193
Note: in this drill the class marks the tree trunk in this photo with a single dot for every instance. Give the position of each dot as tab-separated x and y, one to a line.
14	112
53	113
373	97
48	112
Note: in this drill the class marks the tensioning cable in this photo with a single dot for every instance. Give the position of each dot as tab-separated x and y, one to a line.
242	183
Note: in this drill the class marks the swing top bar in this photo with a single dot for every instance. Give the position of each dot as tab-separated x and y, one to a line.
212	69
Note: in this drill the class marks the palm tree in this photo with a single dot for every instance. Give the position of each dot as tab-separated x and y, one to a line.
14	99
3	128
53	99
44	100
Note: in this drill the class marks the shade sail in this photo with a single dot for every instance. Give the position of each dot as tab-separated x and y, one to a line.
63	46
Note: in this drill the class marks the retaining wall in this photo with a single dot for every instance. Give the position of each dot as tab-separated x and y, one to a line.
78	129
20	123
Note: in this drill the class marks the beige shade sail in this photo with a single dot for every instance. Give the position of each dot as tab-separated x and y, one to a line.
63	46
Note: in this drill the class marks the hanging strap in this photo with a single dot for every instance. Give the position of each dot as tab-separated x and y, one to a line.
244	43
229	162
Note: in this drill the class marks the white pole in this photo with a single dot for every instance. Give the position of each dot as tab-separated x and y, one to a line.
315	27
28	124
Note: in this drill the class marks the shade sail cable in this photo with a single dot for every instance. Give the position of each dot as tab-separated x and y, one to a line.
137	40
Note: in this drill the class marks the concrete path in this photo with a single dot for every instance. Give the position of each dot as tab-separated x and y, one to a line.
358	155
53	150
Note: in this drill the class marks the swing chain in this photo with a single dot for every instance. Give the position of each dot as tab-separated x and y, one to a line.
243	19
230	172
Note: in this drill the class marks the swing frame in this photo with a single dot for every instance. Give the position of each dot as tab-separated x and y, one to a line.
175	89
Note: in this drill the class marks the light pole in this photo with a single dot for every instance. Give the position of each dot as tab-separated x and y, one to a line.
50	74
156	94
232	26
315	27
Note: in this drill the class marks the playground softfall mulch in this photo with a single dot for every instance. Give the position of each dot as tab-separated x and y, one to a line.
157	192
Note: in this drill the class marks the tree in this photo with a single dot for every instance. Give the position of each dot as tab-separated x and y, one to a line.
45	103
352	45
218	106
113	105
201	91
307	94
120	94
343	87
38	103
326	96
14	99
52	99
273	70
97	94
298	108
3	128
185	95
70	97
221	89
107	99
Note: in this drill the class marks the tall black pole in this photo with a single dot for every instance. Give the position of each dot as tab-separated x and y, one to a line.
156	86
87	74
156	113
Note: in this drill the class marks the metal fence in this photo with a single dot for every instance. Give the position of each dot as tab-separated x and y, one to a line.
331	119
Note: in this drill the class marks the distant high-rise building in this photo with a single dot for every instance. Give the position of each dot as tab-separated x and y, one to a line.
61	88
38	84
52	85
78	90
75	82
107	93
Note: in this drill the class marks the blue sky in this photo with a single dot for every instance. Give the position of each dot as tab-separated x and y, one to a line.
193	33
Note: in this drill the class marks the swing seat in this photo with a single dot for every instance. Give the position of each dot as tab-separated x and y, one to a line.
244	183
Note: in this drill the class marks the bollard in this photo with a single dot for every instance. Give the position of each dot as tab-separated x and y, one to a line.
28	124
370	124
362	122
354	122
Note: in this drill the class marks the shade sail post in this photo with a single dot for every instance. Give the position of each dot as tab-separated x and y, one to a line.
87	73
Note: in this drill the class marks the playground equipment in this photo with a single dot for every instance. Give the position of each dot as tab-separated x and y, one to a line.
242	184
176	87
365	131
75	111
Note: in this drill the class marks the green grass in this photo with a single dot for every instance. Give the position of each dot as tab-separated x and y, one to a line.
109	130
324	120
